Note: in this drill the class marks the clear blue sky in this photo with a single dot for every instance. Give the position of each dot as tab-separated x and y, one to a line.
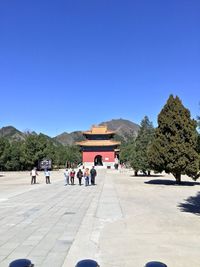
68	64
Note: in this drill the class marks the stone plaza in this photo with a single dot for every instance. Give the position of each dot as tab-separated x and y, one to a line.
122	221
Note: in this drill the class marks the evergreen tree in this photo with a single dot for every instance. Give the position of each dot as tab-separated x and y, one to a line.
198	144
174	149
198	139
142	142
127	151
14	160
4	153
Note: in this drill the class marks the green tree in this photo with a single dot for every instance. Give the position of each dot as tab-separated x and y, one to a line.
198	144
14	162
30	151
198	140
70	154
45	148
143	140
4	153
127	151
174	148
73	154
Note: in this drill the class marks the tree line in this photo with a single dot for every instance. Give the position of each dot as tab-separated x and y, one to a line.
173	146
24	155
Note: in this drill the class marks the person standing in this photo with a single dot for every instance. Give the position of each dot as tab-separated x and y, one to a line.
86	176
79	176
72	175
93	174
116	163
66	174
33	174
47	176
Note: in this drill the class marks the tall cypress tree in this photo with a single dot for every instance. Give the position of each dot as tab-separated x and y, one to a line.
174	149
142	142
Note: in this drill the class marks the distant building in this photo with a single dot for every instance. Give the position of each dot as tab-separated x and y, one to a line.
99	149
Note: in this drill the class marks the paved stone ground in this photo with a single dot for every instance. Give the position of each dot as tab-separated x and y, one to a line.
123	221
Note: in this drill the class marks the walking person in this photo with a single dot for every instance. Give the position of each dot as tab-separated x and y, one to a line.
33	174
66	174
47	176
79	176
72	175
86	176
93	174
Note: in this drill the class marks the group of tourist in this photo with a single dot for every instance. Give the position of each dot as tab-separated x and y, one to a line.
69	174
86	173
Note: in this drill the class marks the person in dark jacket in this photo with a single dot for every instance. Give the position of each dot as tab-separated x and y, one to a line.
79	176
93	174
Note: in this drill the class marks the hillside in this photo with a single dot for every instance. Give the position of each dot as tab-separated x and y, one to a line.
12	133
69	138
123	128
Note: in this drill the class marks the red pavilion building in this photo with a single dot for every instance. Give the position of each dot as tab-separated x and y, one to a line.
99	149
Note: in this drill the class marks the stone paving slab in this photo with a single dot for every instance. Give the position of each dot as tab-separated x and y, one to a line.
123	221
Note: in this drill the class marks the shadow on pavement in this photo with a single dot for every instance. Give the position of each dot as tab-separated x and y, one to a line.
191	204
170	182
149	176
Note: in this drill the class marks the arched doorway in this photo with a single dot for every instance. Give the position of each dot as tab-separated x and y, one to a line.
98	161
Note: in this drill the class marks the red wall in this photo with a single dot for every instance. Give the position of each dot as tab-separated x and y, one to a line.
106	156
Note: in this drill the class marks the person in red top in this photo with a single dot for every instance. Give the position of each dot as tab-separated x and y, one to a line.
72	175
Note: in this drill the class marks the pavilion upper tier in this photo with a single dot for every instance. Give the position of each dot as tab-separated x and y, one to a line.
99	130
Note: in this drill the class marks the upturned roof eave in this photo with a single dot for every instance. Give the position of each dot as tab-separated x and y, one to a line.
85	143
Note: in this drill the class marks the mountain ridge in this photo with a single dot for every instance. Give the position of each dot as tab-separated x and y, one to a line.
124	129
12	133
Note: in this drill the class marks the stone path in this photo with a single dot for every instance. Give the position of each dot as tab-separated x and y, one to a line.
40	221
122	221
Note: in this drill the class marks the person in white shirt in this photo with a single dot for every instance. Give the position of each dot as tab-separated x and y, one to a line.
66	174
47	176
33	174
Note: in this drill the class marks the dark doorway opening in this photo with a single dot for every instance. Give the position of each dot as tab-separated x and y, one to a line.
98	161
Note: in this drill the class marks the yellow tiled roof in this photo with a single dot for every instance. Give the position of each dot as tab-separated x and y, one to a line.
98	143
99	130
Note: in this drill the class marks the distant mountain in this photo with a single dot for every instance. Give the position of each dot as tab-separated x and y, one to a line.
12	133
69	138
124	129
